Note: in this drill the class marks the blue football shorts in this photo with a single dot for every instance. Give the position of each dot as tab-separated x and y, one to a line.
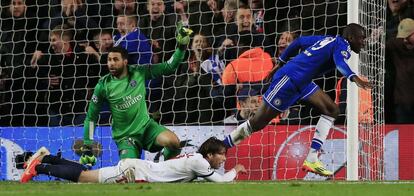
282	92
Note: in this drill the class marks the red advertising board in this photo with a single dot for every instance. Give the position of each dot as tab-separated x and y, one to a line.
277	153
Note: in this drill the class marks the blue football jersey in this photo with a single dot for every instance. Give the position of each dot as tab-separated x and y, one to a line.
137	45
319	55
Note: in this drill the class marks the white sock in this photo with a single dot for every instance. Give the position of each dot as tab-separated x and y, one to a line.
242	131
322	129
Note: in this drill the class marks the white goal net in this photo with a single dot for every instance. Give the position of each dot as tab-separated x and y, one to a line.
54	52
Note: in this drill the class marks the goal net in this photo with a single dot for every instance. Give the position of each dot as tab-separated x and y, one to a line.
48	72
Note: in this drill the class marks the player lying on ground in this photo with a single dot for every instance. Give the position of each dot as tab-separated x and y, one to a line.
185	168
124	91
293	82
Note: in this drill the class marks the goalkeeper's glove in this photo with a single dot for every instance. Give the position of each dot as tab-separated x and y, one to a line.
87	157
183	34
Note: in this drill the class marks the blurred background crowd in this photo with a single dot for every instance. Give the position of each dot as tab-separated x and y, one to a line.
52	54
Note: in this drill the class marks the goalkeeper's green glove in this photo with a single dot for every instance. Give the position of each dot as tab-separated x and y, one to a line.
183	34
87	157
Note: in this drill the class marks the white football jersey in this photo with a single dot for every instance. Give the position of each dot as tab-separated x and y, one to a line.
184	168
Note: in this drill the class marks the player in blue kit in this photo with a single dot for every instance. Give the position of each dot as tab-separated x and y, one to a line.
293	82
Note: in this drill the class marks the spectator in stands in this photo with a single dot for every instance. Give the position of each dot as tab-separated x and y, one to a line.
70	74
191	100
99	48
249	98
252	65
225	31
159	28
194	14
180	8
258	14
245	26
397	11
229	11
400	54
215	64
17	39
133	40
73	13
216	22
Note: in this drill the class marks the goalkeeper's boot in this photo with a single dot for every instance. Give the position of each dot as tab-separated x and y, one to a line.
316	167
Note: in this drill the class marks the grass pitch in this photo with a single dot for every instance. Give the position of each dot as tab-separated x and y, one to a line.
282	188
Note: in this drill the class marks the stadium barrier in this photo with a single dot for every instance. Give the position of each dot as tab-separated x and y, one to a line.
275	153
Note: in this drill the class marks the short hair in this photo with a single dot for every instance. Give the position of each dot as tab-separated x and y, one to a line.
230	5
102	32
62	31
122	51
352	30
129	18
211	145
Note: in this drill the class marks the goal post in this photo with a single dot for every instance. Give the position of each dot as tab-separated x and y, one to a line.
365	138
352	100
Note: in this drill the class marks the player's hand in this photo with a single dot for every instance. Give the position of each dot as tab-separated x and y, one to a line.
183	34
87	157
240	168
362	82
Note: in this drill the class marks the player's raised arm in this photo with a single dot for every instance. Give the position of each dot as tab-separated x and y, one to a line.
169	67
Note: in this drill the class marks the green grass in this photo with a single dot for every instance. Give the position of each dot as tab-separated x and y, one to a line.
281	188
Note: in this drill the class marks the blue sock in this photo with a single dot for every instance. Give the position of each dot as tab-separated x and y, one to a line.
228	142
316	144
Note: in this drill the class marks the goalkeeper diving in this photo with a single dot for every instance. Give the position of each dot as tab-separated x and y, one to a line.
124	91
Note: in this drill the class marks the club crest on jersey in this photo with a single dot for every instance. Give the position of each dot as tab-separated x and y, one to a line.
133	83
277	102
94	99
345	54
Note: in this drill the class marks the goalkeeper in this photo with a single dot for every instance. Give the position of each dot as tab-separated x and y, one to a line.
124	89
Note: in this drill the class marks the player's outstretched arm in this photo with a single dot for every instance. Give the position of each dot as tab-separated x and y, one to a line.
362	82
169	67
228	176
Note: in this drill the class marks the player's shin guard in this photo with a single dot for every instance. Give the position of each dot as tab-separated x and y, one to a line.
322	129
170	153
238	135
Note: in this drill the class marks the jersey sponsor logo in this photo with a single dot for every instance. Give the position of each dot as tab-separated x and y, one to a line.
128	102
94	99
133	83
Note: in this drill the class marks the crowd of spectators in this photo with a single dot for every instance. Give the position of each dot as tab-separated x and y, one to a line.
52	54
